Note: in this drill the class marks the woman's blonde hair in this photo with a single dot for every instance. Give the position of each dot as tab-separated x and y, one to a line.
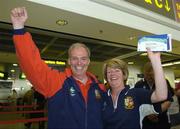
119	64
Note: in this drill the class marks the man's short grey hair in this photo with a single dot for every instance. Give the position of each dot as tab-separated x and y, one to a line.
78	45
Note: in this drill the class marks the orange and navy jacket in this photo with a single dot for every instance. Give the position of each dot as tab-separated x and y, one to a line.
67	108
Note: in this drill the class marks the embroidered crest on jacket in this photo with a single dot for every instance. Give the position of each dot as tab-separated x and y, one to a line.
129	102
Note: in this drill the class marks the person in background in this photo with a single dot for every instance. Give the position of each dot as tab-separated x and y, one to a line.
155	121
28	100
37	101
126	107
75	96
177	93
175	116
40	101
13	99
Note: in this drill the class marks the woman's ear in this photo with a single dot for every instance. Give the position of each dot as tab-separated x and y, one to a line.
124	77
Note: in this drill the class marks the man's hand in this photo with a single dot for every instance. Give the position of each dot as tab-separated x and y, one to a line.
18	17
153	117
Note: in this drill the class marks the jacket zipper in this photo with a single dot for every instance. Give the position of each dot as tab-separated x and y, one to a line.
86	116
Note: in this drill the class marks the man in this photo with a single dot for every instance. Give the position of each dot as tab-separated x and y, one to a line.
41	104
155	121
28	99
74	96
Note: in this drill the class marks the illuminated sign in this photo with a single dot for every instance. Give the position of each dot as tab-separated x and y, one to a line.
22	76
163	7
55	62
177	9
51	63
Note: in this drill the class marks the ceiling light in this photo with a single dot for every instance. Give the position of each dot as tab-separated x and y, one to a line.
176	81
15	64
12	70
143	54
167	64
61	22
132	37
171	63
130	63
177	62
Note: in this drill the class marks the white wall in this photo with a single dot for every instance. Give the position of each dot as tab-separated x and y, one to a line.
133	71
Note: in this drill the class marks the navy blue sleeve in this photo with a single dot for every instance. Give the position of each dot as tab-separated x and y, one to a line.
157	107
143	95
139	84
170	92
170	97
19	31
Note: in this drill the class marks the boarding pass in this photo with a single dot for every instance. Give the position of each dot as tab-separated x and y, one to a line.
155	43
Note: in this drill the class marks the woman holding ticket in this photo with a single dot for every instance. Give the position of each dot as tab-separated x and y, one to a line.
126	107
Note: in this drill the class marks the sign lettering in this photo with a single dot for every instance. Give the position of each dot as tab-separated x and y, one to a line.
163	7
177	10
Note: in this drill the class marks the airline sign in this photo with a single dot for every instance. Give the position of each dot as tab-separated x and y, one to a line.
177	9
167	8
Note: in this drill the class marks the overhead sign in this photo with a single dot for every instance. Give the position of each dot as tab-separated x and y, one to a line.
177	9
163	7
55	62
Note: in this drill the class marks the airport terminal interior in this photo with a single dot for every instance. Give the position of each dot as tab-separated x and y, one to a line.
110	28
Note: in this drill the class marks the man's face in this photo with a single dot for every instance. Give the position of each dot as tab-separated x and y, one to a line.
149	76
79	61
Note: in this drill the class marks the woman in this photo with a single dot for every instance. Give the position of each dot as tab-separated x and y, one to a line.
125	107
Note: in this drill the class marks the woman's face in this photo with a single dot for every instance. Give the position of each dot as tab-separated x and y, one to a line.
115	77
